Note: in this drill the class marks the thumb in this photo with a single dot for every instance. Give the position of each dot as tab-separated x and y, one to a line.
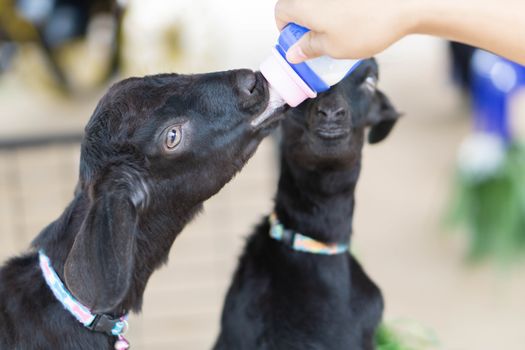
311	45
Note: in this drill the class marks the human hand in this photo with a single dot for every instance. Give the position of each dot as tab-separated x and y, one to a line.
344	28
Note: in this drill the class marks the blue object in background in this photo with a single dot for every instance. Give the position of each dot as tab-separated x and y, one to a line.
494	81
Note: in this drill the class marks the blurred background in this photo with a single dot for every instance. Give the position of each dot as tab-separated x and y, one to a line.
440	218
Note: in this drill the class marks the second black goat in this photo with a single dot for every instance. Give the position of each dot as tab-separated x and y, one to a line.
296	285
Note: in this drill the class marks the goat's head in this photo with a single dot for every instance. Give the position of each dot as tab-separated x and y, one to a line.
328	131
154	150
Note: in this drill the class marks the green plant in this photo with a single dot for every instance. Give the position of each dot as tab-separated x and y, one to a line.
404	335
492	209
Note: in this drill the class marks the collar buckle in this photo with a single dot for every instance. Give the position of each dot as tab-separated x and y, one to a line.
109	325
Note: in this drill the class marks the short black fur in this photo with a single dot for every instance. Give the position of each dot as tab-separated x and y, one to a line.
154	150
284	299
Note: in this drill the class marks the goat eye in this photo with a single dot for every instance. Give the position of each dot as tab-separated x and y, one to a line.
370	84
173	137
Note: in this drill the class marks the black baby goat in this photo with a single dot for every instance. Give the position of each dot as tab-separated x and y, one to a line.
296	286
154	150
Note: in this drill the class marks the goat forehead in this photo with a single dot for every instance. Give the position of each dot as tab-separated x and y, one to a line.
149	92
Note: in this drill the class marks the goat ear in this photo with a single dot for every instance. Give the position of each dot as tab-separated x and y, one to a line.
381	118
98	269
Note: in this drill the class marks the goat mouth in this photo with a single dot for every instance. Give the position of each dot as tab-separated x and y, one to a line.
273	112
331	133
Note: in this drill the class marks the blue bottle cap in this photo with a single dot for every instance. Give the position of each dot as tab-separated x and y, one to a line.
289	36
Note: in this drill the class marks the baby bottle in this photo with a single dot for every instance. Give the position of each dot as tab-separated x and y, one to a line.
297	82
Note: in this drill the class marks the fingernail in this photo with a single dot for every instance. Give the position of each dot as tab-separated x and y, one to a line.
296	55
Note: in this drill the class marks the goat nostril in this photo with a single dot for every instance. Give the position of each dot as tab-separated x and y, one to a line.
340	112
321	113
247	83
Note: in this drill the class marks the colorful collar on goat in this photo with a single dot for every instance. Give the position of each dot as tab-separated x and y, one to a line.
94	322
302	243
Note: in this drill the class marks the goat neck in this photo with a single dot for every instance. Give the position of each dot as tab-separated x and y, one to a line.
318	203
155	236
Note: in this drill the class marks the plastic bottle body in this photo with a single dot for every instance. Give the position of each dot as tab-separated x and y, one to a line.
331	71
297	82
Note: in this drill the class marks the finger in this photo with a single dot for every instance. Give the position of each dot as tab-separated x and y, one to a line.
311	45
283	13
296	11
281	23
